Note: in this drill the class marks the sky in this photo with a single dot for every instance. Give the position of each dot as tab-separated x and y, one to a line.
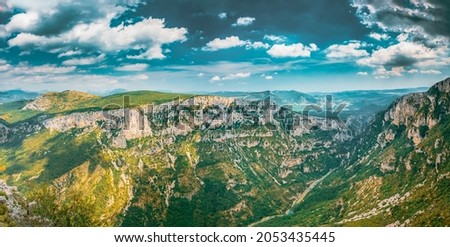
226	45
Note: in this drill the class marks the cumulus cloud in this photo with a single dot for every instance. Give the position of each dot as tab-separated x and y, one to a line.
420	18
268	77
232	41
215	78
294	50
404	54
257	45
422	31
362	73
84	61
219	44
379	36
4	66
133	67
237	76
275	38
244	21
72	25
351	49
383	73
233	76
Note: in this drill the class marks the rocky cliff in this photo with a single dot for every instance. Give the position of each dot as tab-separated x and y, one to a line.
397	174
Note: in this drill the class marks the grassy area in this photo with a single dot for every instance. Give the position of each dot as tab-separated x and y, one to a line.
70	101
12	112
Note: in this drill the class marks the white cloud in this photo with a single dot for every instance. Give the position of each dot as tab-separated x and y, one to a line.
351	49
228	42
378	36
237	76
92	33
3	32
69	53
133	67
222	15
233	41
23	22
4	66
215	78
404	54
233	76
418	19
268	77
201	74
294	50
28	39
362	73
275	38
244	21
431	72
84	61
154	52
256	45
142	77
413	71
383	73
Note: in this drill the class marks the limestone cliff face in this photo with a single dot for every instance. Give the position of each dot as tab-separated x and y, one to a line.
179	119
42	103
127	124
15	210
421	110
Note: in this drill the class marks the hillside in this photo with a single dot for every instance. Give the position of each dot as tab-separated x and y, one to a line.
398	173
73	101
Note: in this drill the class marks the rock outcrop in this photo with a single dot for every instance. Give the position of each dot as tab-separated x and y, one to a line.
421	111
179	118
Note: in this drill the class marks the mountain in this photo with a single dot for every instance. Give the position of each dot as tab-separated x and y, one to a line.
293	98
398	174
202	161
58	101
358	107
367	102
159	159
16	95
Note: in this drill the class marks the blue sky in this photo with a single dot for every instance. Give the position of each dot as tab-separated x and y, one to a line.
228	45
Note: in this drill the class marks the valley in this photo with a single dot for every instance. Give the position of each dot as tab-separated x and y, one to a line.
229	159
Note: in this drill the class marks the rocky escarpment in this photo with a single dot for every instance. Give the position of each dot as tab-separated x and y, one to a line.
177	118
397	174
14	209
421	111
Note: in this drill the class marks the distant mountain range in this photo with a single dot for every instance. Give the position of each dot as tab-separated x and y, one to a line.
16	95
